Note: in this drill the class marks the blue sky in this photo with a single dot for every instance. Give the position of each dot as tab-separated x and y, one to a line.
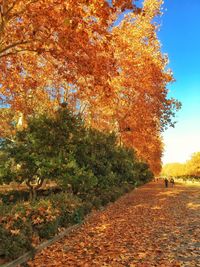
180	38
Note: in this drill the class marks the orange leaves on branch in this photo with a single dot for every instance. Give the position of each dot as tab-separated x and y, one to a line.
55	51
139	108
46	45
123	5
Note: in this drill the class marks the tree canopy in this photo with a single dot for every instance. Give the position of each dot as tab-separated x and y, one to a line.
113	72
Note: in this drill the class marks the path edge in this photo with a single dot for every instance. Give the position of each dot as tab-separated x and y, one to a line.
30	255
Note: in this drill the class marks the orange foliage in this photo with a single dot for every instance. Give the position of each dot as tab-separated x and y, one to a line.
55	50
139	108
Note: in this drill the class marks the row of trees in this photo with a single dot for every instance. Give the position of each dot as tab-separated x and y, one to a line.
189	168
60	148
76	51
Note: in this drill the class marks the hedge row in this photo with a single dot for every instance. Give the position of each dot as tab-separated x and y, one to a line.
63	150
26	224
88	166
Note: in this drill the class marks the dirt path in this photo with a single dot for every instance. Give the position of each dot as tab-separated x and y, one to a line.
151	226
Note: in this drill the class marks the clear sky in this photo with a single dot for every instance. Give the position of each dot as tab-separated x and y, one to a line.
180	38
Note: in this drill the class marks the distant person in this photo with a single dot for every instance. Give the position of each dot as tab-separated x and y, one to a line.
166	182
172	182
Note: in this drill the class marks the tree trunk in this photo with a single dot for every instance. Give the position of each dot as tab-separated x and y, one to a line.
33	189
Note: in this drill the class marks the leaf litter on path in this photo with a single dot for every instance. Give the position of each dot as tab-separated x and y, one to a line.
150	226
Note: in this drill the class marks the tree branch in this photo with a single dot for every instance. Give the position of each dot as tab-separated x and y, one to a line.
14	45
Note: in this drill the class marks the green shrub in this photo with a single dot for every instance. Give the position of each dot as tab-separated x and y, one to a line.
44	150
48	229
105	199
15	243
127	187
67	204
14	196
20	222
87	207
78	215
96	202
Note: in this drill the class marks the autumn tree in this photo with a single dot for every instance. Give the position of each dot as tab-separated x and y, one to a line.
115	75
193	165
48	44
139	108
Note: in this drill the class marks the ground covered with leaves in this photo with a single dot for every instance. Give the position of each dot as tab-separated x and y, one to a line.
151	226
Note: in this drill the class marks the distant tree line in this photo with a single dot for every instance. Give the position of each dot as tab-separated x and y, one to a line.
190	169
